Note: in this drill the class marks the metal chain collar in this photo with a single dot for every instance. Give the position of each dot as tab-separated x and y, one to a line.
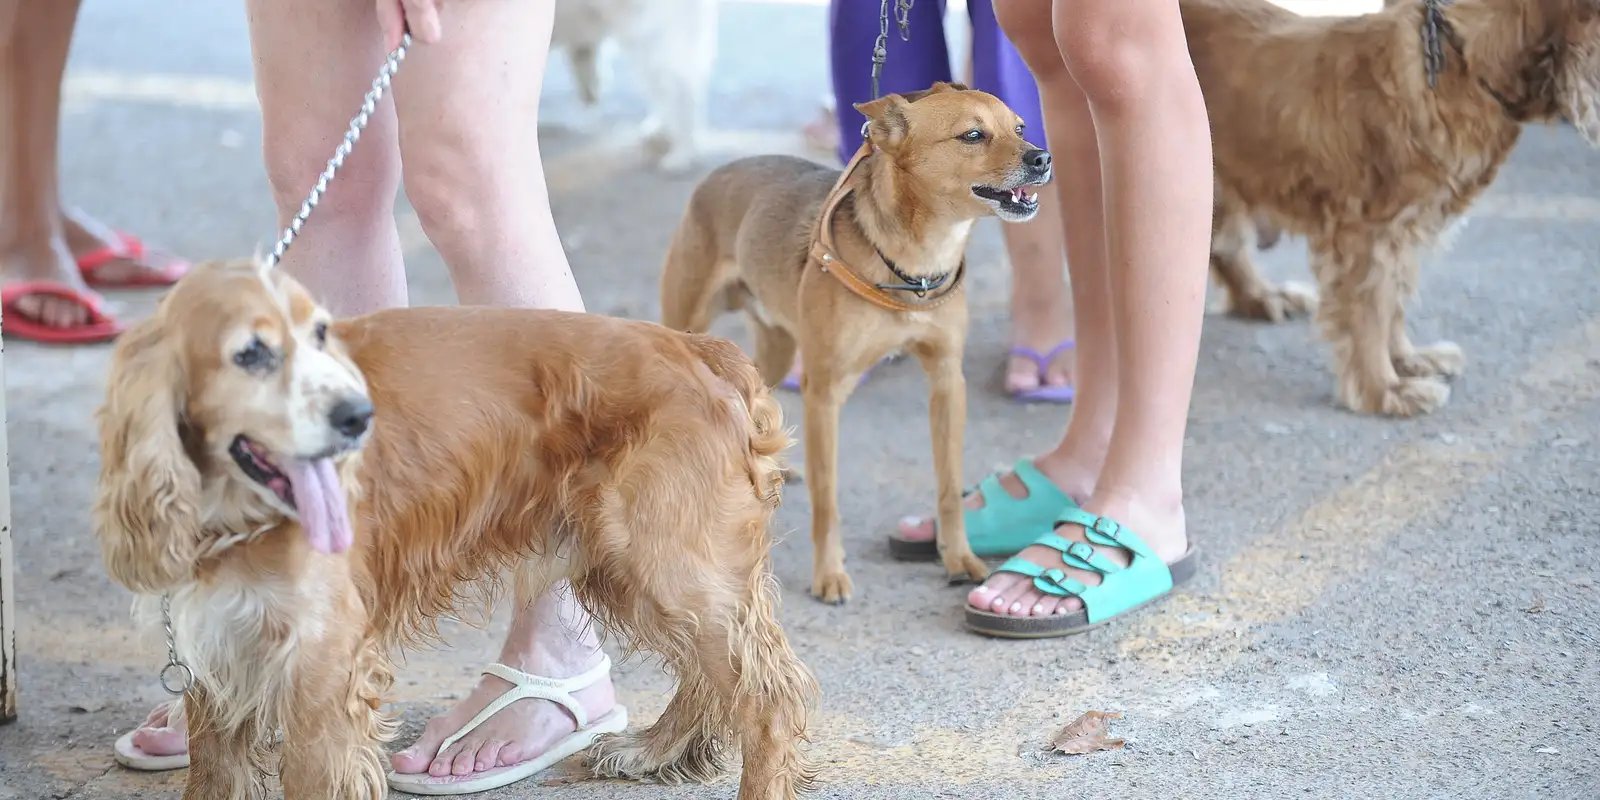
177	677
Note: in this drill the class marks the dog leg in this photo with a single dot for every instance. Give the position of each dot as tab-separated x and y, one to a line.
717	627
1361	288
689	277
1438	360
224	762
333	728
775	349
823	390
1248	295
947	420
678	78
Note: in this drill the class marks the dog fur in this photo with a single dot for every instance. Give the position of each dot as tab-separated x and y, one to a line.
744	244
1327	128
636	462
672	45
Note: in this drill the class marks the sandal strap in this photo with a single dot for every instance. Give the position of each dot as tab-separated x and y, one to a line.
526	686
1145	577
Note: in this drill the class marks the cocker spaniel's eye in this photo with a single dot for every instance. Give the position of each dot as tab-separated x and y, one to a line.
1019	129
256	357
321	332
973	135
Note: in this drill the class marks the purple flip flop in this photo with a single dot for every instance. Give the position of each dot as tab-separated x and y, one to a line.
1044	394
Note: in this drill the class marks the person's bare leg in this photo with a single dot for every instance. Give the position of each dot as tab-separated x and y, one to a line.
1041	311
1075	196
480	193
348	255
34	39
1132	62
469	137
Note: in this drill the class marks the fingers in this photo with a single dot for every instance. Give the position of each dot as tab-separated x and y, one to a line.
423	18
420	16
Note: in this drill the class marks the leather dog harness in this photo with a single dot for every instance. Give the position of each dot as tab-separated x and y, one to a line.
825	255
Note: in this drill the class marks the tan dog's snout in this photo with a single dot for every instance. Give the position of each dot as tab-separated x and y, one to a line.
1036	165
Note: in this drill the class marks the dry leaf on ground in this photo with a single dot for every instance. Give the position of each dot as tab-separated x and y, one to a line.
1087	734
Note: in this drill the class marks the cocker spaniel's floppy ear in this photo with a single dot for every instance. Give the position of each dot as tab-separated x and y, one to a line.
147	503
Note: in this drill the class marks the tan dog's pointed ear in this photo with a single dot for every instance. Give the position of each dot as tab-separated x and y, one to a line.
886	120
147	503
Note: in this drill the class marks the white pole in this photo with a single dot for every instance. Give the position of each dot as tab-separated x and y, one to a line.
8	599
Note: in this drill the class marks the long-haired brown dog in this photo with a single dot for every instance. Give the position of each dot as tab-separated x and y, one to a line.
1328	127
635	461
881	271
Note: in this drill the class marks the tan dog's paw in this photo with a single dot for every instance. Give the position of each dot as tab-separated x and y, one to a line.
1439	360
1282	303
964	567
831	587
1408	398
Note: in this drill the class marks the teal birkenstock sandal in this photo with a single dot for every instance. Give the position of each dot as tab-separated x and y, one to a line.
1121	589
1005	524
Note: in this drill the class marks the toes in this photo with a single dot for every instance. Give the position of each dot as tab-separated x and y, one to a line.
161	741
489	755
916	529
466	759
513	754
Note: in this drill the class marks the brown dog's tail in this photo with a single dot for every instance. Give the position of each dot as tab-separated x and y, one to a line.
767	437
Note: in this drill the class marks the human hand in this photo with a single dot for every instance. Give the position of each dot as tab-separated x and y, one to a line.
422	16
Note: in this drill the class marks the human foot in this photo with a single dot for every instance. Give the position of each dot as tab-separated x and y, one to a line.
520	732
1160	529
106	257
1041	375
1021	503
162	733
48	262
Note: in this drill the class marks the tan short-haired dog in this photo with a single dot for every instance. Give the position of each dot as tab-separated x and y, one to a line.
850	267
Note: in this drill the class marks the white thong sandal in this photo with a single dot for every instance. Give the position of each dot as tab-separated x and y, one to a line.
523	686
129	755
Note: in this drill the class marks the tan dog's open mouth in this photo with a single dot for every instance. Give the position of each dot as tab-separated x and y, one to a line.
1017	204
308	487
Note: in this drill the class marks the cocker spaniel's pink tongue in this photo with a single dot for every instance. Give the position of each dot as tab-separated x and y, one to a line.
320	500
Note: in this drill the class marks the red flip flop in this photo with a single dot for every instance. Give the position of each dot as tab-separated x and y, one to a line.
128	248
101	327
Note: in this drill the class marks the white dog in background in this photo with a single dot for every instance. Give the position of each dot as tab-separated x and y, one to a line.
672	45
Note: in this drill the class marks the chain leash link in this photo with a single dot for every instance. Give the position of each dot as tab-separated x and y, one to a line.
880	47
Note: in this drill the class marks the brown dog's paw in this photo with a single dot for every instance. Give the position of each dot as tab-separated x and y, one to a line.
964	568
1277	305
1407	398
832	588
1439	360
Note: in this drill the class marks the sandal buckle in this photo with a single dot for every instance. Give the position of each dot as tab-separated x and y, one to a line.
1081	551
1106	526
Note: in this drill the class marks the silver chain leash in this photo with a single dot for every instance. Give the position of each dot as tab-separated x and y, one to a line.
177	677
369	104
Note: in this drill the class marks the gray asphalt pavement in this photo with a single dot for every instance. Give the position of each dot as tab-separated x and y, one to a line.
1385	609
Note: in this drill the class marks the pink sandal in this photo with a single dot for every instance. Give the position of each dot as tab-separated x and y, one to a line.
128	248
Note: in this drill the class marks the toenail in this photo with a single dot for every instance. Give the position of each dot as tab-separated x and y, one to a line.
1038	609
1016	607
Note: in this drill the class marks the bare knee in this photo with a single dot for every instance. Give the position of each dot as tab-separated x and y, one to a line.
1123	57
453	183
297	151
